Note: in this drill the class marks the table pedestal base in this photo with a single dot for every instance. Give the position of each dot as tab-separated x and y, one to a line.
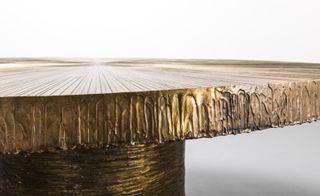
149	169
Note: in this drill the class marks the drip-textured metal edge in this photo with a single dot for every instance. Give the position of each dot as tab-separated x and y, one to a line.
146	169
96	121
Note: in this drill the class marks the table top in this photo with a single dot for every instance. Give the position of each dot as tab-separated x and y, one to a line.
68	103
52	77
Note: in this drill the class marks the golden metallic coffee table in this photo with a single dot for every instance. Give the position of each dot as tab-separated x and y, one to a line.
117	127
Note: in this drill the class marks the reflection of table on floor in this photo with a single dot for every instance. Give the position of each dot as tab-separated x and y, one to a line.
117	126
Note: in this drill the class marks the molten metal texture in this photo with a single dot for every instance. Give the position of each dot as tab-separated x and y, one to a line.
147	169
54	108
48	104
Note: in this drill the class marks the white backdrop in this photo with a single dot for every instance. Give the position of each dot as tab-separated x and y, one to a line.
274	162
228	29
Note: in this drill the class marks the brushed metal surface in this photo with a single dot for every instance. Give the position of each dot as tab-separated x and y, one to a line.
49	77
49	104
97	126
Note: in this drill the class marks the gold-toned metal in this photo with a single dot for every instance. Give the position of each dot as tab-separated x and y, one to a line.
145	169
46	123
136	102
50	108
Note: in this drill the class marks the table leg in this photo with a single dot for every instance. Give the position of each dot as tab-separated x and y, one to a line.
147	169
